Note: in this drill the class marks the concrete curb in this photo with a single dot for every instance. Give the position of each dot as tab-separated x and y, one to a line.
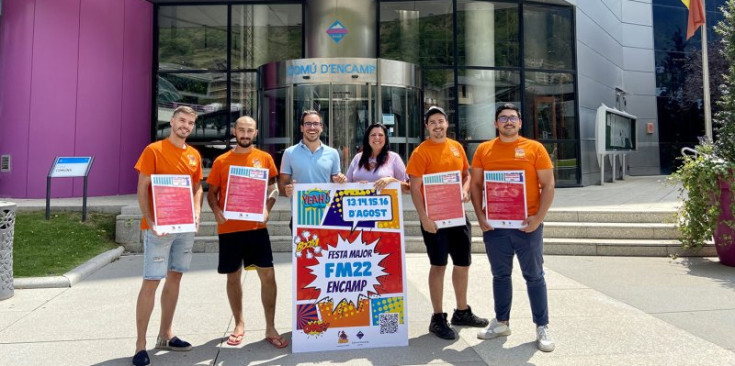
72	277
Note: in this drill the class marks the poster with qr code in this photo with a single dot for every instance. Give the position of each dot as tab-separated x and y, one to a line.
349	267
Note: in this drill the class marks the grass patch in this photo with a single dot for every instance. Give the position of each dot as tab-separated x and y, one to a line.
53	247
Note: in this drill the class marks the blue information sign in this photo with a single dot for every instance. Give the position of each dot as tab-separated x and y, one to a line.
70	166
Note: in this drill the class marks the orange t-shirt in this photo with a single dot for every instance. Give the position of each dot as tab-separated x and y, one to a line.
220	174
163	157
521	154
431	157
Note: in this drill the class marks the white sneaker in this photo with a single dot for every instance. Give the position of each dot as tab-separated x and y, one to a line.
494	330
544	342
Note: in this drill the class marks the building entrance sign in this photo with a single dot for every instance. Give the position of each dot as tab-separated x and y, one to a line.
346	70
349	93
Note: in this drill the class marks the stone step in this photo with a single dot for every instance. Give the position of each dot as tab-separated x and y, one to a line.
605	230
206	215
128	229
554	215
586	230
623	248
566	232
552	246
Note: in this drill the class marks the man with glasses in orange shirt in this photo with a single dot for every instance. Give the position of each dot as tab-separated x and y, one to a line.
510	151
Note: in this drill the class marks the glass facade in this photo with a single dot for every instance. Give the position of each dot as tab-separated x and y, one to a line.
473	55
473	60
208	57
679	76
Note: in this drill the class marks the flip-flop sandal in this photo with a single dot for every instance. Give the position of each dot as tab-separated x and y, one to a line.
235	339
278	342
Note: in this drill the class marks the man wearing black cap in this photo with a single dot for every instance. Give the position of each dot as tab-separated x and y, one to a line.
440	154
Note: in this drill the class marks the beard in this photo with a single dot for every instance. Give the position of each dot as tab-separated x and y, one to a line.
438	133
245	143
509	132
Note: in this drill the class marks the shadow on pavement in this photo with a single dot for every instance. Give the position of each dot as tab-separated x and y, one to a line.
701	267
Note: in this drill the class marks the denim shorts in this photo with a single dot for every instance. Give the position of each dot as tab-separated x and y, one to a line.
161	254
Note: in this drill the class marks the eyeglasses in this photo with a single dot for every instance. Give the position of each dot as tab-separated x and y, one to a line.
504	119
312	124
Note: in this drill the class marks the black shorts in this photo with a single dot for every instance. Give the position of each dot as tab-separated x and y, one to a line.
244	249
454	241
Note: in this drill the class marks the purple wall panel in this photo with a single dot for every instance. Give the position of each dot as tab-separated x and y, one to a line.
76	81
135	126
53	92
16	53
99	93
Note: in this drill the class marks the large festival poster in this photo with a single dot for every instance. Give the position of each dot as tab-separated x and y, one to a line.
349	267
443	199
173	203
246	193
505	198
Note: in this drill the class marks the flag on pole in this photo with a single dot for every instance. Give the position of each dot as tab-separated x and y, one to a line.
696	16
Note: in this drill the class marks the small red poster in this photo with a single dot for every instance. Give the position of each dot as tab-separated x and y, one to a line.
173	203
505	199
443	199
246	193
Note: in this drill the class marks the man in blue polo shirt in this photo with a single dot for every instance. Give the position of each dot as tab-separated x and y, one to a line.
309	161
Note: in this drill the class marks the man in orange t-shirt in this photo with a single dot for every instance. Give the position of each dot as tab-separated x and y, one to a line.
435	155
510	151
166	255
245	243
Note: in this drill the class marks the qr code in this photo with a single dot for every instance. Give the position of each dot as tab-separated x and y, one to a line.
388	323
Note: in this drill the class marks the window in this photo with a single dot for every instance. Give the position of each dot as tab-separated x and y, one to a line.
487	34
419	32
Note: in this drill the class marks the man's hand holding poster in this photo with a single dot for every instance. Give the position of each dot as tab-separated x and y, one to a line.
505	199
443	199
349	277
246	194
173	203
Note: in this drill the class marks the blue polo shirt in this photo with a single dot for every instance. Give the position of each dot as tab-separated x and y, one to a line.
307	167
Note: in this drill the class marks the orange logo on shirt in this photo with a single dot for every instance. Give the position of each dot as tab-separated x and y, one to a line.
257	163
520	154
192	160
454	151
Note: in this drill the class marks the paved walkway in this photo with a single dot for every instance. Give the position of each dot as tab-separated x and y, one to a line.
604	311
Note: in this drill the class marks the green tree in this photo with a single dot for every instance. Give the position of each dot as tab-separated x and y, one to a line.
725	118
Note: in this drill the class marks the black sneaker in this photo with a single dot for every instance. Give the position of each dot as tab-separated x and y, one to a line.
141	359
465	317
440	327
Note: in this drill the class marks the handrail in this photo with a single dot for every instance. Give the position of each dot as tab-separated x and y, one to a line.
688	151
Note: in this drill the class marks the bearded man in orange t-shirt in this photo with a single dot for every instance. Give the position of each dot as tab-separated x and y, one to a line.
242	243
510	151
166	255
